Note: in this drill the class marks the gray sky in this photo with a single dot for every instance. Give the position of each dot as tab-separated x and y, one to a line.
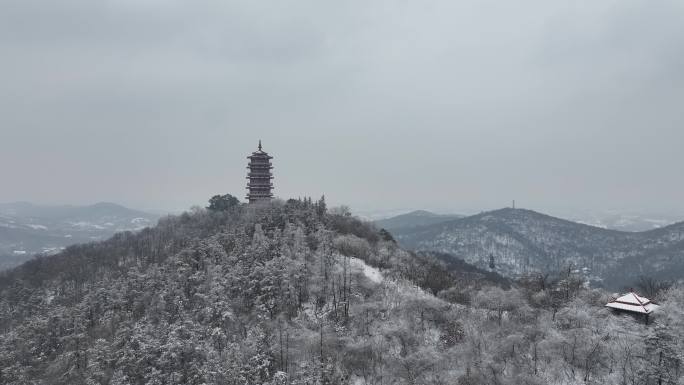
459	105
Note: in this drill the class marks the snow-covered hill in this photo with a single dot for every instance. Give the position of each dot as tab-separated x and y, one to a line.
285	293
518	241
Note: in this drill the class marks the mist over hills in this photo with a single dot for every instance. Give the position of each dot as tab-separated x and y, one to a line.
521	241
27	229
623	220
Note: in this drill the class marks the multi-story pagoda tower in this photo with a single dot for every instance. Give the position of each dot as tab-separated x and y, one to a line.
259	186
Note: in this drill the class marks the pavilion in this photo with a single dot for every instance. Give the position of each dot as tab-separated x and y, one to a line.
633	303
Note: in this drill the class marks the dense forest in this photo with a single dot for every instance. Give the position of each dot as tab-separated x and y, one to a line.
294	293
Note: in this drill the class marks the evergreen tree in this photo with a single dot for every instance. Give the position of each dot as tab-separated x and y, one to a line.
222	202
663	362
321	207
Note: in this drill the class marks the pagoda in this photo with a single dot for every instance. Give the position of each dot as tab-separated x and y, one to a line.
259	186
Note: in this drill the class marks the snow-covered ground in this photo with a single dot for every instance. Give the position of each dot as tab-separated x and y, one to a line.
140	221
372	273
87	225
38	227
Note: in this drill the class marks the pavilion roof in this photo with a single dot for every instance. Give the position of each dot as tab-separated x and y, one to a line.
633	302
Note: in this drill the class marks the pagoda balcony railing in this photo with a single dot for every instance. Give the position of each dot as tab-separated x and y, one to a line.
259	176
260	166
257	186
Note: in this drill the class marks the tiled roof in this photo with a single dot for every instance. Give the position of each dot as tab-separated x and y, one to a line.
632	302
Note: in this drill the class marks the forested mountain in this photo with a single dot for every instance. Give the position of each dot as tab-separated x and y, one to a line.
286	293
413	219
516	242
27	229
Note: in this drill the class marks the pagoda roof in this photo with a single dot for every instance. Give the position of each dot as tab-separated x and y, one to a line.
633	302
260	154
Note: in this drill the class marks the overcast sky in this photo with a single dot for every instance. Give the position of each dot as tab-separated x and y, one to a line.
451	105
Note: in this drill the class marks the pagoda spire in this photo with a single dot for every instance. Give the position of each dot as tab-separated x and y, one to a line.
259	144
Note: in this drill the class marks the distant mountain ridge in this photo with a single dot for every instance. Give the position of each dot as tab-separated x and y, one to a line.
624	220
414	219
520	241
27	229
95	211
